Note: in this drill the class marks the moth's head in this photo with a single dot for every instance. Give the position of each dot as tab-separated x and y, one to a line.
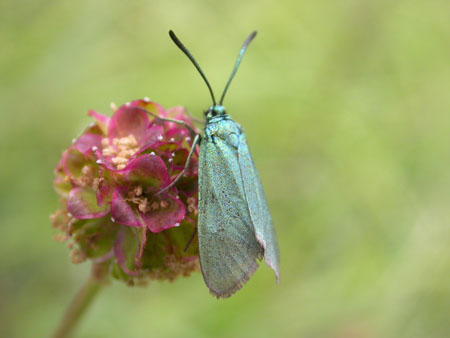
215	110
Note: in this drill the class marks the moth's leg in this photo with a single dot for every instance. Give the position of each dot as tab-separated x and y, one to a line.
186	165
168	119
190	240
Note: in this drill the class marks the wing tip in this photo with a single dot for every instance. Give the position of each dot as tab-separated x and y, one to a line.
228	293
274	265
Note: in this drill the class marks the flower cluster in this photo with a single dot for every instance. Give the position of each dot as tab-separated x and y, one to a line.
112	209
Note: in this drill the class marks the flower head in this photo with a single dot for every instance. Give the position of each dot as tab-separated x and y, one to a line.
109	181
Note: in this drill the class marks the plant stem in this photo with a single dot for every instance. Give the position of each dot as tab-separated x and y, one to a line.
78	306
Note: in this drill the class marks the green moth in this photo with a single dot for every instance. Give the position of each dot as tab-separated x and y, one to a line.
235	228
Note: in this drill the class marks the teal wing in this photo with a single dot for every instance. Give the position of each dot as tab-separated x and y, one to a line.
257	205
229	250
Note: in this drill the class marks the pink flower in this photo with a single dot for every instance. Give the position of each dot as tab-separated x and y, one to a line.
109	179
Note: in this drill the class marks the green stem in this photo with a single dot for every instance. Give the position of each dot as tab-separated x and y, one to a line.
78	306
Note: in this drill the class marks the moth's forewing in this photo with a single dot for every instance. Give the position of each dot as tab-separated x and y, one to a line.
228	246
258	208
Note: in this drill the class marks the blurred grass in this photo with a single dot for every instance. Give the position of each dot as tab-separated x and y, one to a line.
346	109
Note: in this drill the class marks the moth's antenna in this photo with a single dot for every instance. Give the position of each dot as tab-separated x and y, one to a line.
238	62
189	55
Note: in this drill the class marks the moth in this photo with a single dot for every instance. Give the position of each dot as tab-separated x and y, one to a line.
235	227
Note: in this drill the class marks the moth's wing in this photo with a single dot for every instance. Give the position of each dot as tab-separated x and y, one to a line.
257	205
228	248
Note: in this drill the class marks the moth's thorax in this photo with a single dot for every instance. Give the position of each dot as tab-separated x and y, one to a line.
223	127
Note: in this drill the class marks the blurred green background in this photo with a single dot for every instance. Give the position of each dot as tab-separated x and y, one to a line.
346	108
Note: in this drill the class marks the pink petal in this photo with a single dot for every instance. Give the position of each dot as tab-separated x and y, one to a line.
60	183
87	143
149	171
82	204
165	218
121	212
141	246
126	248
105	186
104	161
95	236
177	134
167	147
72	162
160	147
151	136
176	112
180	158
129	120
105	257
179	113
60	165
150	106
102	120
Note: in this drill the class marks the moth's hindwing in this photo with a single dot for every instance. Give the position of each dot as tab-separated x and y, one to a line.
228	247
257	205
